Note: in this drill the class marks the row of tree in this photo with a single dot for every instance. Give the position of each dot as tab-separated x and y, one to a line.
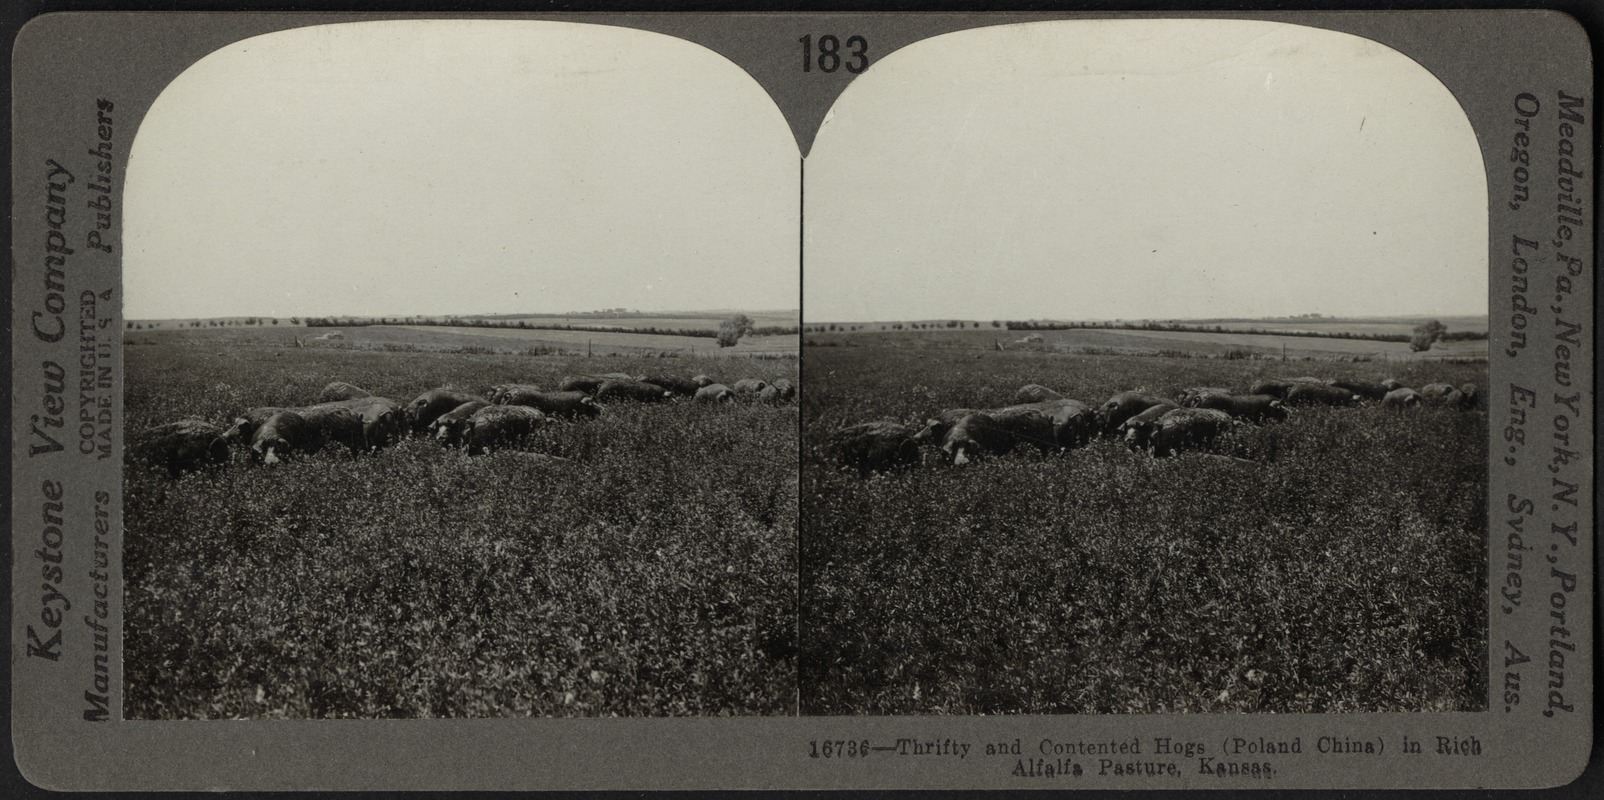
729	332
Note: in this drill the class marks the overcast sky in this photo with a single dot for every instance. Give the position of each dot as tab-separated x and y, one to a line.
434	167
1133	168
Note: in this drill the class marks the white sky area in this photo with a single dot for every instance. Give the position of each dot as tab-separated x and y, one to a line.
459	167
1144	169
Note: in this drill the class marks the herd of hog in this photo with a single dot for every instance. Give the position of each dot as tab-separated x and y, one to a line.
1042	418
349	416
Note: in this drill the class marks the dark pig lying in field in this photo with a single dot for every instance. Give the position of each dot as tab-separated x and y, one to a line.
1319	394
786	389
1274	387
1035	393
878	446
1138	430
685	387
1186	429
383	419
1123	406
1402	398
936	427
1442	394
581	383
567	405
431	404
282	436
494	426
500	390
449	427
243	429
184	446
1250	407
749	387
1365	389
631	391
997	432
340	390
703	380
337	425
1189	398
1073	422
715	393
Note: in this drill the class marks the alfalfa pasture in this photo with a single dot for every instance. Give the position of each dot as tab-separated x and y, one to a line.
1342	570
653	573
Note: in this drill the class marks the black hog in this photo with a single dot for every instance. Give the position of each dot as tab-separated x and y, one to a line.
283	436
428	406
1319	394
935	429
500	390
383	420
685	387
566	405
1402	398
715	393
341	391
631	391
1123	406
1365	389
1189	398
243	429
749	387
492	427
1074	423
870	447
1187	429
187	445
581	383
336	425
1035	393
448	428
1138	430
1251	407
997	432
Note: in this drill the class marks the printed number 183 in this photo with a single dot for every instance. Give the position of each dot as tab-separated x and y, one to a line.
829	57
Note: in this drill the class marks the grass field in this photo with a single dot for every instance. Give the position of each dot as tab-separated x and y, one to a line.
1343	570
653	574
287	331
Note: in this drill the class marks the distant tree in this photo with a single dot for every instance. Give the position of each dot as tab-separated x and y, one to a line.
275	320
729	334
996	324
130	326
1426	335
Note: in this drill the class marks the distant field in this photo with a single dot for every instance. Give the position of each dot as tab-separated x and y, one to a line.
666	321
1396	327
1266	345
708	320
575	340
426	337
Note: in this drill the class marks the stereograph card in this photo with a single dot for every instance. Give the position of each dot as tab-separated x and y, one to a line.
802	400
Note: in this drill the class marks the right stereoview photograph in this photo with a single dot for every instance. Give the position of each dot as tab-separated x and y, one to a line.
1144	372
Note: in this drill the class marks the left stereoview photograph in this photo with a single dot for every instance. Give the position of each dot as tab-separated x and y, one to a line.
460	364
